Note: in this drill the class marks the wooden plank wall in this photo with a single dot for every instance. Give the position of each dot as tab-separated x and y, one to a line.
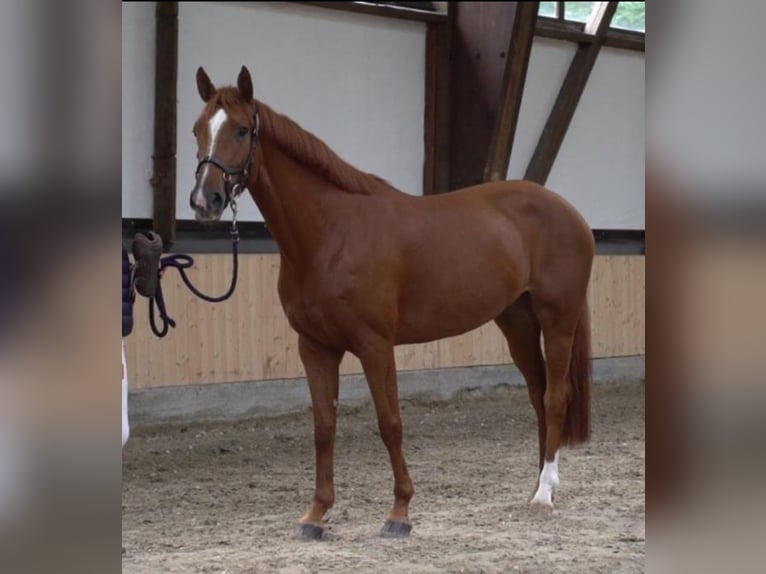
248	338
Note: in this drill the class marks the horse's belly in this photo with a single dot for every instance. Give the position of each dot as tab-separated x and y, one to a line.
429	331
450	310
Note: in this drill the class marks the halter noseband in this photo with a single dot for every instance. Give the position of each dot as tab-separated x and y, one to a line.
229	173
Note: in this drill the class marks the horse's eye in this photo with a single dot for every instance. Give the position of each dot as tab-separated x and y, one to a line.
242	131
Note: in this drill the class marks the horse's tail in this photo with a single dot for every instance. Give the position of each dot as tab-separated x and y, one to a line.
577	423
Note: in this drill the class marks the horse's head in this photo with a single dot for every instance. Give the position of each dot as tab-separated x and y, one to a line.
227	135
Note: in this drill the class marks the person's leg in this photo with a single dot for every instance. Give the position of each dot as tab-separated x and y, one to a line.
125	425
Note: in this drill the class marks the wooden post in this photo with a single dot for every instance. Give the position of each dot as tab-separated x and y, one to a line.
165	109
437	109
479	44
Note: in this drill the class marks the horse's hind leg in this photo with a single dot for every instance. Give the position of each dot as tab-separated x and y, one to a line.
566	419
380	369
322	372
522	331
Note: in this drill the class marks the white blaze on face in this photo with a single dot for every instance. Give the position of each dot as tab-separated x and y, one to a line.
214	128
549	480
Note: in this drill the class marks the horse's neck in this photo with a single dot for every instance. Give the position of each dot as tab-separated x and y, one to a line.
292	200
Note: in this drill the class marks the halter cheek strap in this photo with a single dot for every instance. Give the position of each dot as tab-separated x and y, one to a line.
234	189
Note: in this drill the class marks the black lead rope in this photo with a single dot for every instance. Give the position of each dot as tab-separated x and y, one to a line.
182	262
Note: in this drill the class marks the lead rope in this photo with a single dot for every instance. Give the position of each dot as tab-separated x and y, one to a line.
181	262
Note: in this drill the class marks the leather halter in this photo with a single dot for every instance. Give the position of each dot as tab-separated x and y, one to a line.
234	189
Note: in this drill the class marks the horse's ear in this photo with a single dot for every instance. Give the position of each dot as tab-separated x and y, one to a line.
245	84
205	87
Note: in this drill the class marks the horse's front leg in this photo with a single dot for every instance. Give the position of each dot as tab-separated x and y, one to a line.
380	369
322	371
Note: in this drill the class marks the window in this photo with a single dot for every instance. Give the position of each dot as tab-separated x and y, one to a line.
568	11
576	22
628	16
578	11
547	9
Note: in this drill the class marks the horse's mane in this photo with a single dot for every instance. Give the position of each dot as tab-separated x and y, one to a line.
305	147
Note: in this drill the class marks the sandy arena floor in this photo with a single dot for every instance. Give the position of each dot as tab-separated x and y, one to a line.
227	498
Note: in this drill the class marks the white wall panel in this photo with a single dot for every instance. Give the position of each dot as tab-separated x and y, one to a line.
600	167
138	56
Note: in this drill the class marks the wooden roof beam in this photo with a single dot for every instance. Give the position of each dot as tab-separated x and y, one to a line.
516	65
596	20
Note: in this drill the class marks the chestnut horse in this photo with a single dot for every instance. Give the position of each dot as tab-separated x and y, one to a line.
365	267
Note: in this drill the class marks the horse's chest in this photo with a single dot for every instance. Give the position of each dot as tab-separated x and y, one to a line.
311	313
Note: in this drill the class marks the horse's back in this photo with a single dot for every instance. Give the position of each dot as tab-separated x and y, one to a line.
526	211
471	253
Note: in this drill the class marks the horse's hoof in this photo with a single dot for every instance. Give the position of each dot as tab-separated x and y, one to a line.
392	529
541	508
311	532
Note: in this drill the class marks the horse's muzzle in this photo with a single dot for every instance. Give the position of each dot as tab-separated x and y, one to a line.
207	205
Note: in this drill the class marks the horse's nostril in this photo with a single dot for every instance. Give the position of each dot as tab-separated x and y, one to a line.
217	201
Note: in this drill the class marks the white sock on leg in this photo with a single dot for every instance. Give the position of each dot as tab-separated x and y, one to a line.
549	480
